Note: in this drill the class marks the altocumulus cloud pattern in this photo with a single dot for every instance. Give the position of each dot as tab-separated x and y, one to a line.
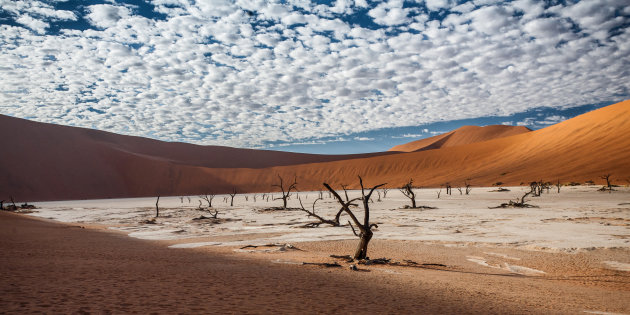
248	73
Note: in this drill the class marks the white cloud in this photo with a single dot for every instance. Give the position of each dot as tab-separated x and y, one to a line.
106	15
390	13
363	139
435	5
36	25
550	120
548	28
409	135
491	19
211	74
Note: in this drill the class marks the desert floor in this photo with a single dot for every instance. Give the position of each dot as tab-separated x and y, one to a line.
569	255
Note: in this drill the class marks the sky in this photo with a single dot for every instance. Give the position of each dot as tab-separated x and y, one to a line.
343	76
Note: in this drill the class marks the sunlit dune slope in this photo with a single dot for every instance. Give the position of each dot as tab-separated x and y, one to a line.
579	149
48	162
461	136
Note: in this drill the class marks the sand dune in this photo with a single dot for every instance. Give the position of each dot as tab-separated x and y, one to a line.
461	136
579	149
48	162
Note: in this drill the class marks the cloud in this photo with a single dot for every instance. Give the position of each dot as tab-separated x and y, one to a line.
251	73
106	15
408	135
32	23
435	5
363	139
550	120
390	13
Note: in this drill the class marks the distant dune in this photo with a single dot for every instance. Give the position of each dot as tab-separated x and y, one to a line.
461	136
50	162
47	161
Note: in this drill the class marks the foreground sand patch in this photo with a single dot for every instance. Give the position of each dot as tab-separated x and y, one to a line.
617	265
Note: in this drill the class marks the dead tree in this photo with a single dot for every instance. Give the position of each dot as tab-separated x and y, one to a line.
439	193
535	188
340	212
312	214
460	190
232	195
208	199
385	190
407	190
365	228
287	193
448	189
157	209
1	204
558	185
468	188
522	203
12	206
345	191
608	184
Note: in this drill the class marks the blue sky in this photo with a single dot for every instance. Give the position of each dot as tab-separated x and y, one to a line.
341	76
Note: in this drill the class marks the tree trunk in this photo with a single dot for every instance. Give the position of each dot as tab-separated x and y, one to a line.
284	202
413	202
361	252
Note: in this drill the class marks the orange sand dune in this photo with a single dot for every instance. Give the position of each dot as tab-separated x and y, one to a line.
48	162
461	136
579	149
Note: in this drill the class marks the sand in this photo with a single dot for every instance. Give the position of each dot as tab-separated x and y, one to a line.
579	218
88	164
89	264
461	136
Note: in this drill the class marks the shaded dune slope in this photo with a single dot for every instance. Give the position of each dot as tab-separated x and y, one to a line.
461	136
45	162
48	162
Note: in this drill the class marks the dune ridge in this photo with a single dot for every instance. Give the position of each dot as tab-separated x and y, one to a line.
461	136
49	162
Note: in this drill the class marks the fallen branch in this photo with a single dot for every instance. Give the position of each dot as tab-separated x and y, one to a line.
281	246
418	207
388	262
329	265
517	203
